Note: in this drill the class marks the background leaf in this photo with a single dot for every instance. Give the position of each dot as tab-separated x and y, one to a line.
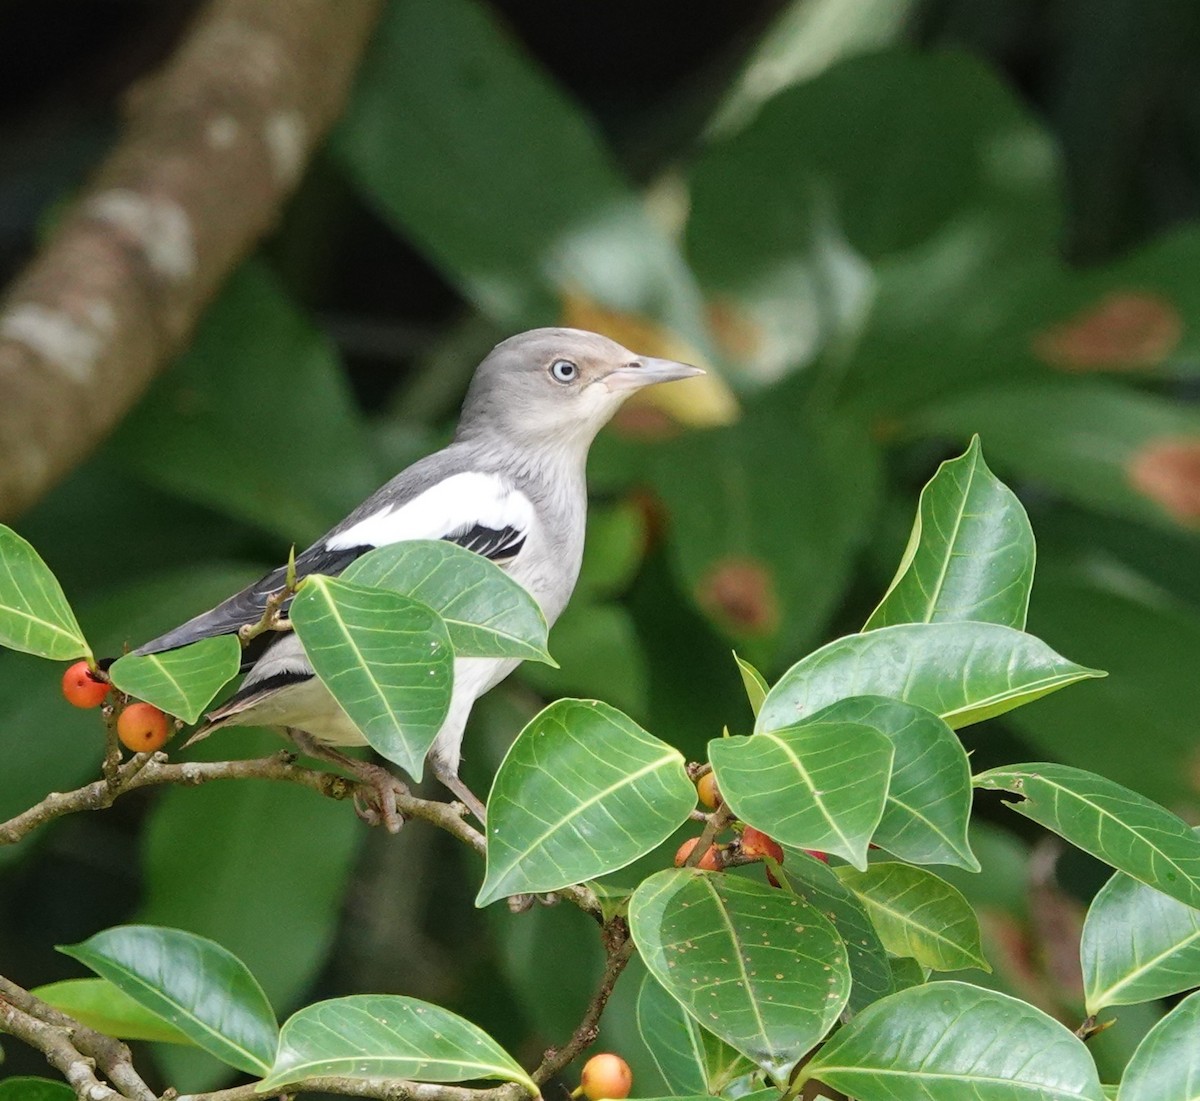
820	784
387	1036
771	975
386	659
35	617
1114	824
192	983
181	682
582	792
487	613
970	555
1000	669
23	1088
939	1043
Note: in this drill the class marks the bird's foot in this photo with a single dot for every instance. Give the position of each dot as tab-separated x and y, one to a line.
375	797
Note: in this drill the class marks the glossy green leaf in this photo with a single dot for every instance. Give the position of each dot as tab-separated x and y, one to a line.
928	805
819	886
1124	829
386	659
192	983
755	683
231	425
820	784
1166	1064
1138	944
762	969
691	1059
918	914
23	1088
387	1036
102	1005
964	672
947	1041
582	792
487	613
181	682
970	555
34	614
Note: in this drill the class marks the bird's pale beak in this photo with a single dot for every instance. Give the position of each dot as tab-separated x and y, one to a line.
646	371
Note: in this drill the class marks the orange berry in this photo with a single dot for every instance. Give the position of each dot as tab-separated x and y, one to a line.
755	843
706	788
710	861
143	728
606	1077
81	688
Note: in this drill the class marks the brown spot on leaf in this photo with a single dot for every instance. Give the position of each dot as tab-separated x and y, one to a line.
1168	472
1124	331
740	593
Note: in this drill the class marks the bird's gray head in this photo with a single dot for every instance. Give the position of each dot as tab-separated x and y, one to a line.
557	387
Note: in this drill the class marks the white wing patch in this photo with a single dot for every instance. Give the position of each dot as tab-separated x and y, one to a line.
449	508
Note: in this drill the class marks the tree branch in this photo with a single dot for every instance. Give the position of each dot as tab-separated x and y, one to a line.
212	146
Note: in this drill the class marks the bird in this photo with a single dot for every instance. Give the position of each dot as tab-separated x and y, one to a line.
510	486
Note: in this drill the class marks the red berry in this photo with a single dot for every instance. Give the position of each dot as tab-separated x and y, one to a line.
756	843
710	861
606	1077
816	854
143	728
706	788
81	688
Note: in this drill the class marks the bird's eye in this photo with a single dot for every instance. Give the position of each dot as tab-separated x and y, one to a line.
564	370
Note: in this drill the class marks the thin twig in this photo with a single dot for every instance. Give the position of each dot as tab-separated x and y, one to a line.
619	949
717	821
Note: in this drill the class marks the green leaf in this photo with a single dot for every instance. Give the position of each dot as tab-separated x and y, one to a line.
34	614
181	682
1138	945
1124	829
231	425
994	670
755	683
488	614
928	804
819	886
1166	1064
760	968
582	792
386	659
970	555
946	1041
101	1005
514	237
387	1036
25	1088
191	983
820	784
690	1058
918	915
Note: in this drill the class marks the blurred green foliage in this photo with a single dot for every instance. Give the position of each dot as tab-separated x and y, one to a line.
868	245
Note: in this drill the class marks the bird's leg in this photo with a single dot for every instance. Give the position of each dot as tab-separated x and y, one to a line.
382	783
449	778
